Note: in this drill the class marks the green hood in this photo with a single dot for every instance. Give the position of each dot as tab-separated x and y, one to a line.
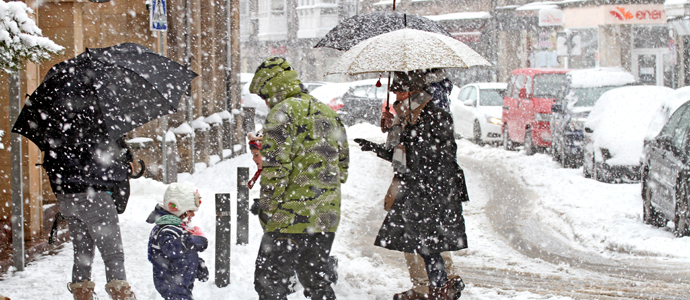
275	81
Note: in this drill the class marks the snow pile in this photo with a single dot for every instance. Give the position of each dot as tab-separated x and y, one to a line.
20	38
184	128
598	77
620	120
200	124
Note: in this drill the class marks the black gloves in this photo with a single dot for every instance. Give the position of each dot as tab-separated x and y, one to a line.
367	145
202	271
255	207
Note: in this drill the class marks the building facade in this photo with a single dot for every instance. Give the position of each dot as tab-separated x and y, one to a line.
196	37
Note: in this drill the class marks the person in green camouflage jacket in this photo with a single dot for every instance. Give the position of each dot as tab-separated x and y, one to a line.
305	160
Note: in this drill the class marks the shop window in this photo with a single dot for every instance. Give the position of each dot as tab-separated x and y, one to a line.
645	37
589	42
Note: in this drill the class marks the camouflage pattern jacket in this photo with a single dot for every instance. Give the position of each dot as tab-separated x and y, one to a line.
305	154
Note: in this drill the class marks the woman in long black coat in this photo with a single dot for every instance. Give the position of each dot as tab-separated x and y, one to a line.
426	216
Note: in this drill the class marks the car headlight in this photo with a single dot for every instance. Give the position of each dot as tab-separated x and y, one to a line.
494	120
539	117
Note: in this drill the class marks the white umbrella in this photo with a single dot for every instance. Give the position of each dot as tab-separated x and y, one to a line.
406	50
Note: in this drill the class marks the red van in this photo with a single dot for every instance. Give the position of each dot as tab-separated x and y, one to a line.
527	107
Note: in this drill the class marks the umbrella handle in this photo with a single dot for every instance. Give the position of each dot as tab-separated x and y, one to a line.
141	172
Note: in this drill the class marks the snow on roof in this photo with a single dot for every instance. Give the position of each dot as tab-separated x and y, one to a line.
598	77
384	2
461	16
620	120
537	6
676	2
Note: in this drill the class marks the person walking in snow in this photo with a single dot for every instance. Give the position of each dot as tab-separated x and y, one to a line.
305	160
84	178
424	201
174	245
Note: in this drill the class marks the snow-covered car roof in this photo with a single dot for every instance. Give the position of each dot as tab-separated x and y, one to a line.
669	106
491	85
331	90
620	120
598	77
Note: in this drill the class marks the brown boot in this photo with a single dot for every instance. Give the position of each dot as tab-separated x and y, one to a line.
120	290
446	292
82	290
457	285
410	294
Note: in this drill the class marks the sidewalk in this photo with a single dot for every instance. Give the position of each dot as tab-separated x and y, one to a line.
32	249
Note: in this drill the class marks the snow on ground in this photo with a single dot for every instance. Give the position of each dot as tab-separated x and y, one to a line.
592	216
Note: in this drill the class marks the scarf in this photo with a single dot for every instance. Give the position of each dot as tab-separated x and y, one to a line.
407	113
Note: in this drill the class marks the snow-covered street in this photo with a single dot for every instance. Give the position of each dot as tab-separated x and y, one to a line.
535	230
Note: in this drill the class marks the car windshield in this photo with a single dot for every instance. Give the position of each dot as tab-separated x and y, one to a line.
491	97
586	97
549	85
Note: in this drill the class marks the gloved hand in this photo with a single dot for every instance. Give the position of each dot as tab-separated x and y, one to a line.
202	271
366	145
255	207
195	231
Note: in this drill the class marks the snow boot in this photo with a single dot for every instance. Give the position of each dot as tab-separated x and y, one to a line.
410	294
82	290
120	290
446	292
458	285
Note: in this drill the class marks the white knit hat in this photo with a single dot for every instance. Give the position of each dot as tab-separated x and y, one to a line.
180	198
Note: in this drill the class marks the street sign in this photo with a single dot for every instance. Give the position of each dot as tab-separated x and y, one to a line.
159	15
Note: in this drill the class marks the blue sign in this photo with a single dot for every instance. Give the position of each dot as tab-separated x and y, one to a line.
159	15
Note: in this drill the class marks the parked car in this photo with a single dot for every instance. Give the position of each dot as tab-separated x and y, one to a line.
570	111
615	131
477	110
527	107
312	85
665	190
357	101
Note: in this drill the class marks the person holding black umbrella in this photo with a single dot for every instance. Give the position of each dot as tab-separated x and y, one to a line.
424	202
83	178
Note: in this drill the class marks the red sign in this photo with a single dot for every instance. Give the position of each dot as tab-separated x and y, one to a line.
636	14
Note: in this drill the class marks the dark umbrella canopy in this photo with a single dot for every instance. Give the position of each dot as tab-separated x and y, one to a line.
102	94
360	27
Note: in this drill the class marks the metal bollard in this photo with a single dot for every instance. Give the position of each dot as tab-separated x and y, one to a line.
223	222
242	206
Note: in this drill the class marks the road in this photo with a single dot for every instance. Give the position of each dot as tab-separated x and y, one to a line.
508	209
548	265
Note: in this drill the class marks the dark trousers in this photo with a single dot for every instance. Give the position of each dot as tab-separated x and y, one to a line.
93	223
282	255
435	269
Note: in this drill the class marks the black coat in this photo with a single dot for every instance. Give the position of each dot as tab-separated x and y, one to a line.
427	216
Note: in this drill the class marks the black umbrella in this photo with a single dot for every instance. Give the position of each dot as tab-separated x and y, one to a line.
102	94
360	27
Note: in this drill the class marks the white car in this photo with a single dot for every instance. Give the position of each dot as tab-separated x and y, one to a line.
615	131
477	110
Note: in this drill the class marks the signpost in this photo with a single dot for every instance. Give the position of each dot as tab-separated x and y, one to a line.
159	22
